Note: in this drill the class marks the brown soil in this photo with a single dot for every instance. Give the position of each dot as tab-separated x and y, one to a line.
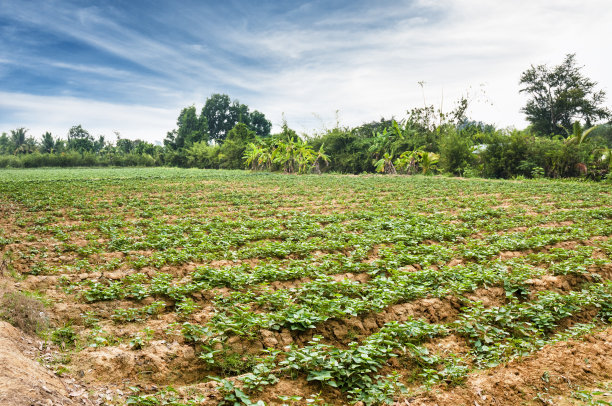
25	382
543	378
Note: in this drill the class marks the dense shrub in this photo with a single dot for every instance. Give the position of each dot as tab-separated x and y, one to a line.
519	153
348	151
456	152
202	155
10	161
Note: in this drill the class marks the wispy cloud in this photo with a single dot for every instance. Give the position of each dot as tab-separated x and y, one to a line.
58	114
306	60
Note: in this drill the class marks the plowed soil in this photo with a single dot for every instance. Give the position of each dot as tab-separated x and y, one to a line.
88	254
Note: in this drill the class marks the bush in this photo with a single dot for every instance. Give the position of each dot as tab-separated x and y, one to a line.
202	155
521	154
456	152
10	161
507	155
348	151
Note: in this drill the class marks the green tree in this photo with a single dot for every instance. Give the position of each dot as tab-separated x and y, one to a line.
222	114
191	129
29	146
18	137
48	143
233	148
241	133
260	124
6	145
456	152
559	96
80	140
124	145
100	144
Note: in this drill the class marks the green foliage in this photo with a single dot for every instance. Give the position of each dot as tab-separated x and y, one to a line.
138	313
191	129
80	140
232	395
385	164
286	151
165	397
559	96
456	152
222	114
578	134
64	336
202	155
347	149
233	148
520	154
333	255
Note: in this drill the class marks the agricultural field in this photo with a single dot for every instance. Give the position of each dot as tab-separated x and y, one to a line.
200	287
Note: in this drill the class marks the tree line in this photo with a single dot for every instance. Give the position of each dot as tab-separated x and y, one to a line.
563	139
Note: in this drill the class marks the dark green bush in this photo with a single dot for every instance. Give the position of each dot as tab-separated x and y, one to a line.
456	152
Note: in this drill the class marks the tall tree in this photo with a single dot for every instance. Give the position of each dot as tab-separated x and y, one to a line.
18	136
222	114
80	140
559	96
48	143
191	128
260	124
6	145
217	111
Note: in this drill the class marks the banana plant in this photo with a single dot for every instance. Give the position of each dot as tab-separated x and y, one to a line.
384	145
385	165
252	156
321	156
428	162
408	161
579	134
284	155
305	157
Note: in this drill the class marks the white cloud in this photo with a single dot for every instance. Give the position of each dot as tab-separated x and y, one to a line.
58	114
365	63
476	42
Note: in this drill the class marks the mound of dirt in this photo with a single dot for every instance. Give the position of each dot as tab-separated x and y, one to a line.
22	380
543	378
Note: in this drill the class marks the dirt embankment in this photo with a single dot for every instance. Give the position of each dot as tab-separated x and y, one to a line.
23	381
546	377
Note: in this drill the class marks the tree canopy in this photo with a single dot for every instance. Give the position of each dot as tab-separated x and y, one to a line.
222	115
218	117
559	96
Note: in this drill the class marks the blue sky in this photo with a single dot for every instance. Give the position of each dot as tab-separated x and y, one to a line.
130	66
